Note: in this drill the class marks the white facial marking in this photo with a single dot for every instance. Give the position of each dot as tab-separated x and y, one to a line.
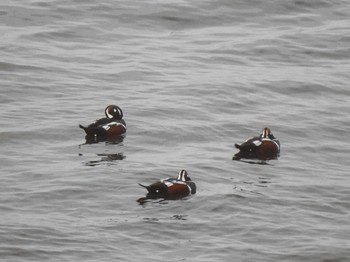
265	133
108	114
184	175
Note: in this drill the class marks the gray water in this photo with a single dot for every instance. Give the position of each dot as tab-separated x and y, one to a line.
193	78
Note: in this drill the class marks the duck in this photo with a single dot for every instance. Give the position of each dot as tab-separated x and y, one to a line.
172	188
110	126
263	147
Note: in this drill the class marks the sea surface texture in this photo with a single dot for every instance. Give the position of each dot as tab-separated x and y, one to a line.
193	78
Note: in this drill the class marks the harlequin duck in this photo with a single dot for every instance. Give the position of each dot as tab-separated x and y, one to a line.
110	126
263	147
171	188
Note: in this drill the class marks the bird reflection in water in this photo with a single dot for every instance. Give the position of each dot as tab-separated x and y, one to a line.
106	158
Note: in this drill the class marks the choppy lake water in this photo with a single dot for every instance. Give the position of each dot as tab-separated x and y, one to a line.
193	79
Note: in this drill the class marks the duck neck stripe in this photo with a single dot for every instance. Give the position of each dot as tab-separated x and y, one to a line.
189	189
277	144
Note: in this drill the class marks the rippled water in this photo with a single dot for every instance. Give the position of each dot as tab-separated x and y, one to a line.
192	79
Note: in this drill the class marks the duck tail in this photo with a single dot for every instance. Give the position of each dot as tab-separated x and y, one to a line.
236	157
143	186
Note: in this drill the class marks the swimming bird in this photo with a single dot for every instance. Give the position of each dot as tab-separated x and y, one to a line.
110	126
171	188
264	147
